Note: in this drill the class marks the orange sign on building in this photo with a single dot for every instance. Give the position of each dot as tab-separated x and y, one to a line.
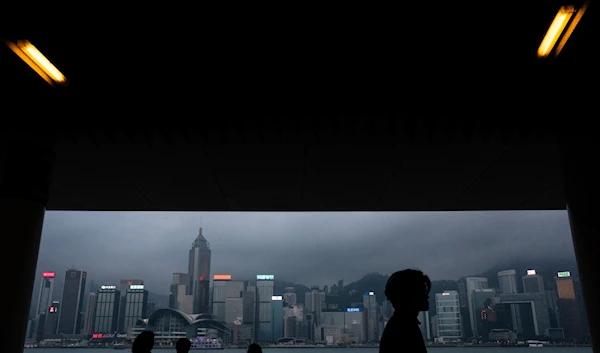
222	277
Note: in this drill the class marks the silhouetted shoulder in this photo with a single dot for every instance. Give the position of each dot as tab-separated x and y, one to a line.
402	335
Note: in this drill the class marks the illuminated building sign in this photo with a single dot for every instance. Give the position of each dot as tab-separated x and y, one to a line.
222	277
277	297
265	277
136	286
530	272
564	274
201	278
370	293
354	310
103	335
108	287
53	309
48	274
445	293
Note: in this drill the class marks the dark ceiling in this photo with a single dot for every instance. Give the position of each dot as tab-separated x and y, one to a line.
301	164
459	57
429	106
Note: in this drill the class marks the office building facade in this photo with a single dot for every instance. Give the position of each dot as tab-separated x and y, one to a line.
507	281
449	325
277	317
289	297
90	314
371	309
532	282
107	309
471	284
72	302
355	324
528	312
264	289
46	292
199	274
52	317
571	319
219	296
136	306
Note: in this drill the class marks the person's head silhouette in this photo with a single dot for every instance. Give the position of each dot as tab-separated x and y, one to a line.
408	291
143	343
183	345
254	348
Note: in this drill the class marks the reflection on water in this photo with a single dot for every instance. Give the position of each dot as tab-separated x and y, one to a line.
334	350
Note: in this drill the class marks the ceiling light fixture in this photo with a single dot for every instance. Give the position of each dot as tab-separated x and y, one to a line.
571	28
37	61
555	30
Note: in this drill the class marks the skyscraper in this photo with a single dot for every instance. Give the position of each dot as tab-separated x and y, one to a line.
199	272
473	283
52	316
312	311
371	308
355	323
136	306
264	287
508	281
448	316
277	317
107	309
482	300
43	303
569	307
219	297
46	292
289	297
234	302
179	298
124	285
90	314
71	304
464	309
533	283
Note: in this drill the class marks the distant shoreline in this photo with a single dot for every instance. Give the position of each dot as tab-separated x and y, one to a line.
331	347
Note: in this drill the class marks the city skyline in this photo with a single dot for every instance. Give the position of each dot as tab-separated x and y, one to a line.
109	313
160	242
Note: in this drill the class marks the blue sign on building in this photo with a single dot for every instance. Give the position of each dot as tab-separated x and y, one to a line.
353	310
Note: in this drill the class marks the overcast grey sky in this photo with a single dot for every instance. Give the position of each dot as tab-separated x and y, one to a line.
307	248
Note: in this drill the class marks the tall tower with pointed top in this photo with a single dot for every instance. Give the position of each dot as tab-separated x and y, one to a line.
199	272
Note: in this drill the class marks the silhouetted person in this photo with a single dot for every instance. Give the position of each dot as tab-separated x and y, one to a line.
183	345
143	343
254	348
408	291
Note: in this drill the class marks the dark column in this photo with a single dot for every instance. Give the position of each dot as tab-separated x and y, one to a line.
582	191
24	188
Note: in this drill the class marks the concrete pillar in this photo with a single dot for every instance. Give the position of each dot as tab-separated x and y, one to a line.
24	185
582	191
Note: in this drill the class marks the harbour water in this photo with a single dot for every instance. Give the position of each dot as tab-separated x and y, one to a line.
338	350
